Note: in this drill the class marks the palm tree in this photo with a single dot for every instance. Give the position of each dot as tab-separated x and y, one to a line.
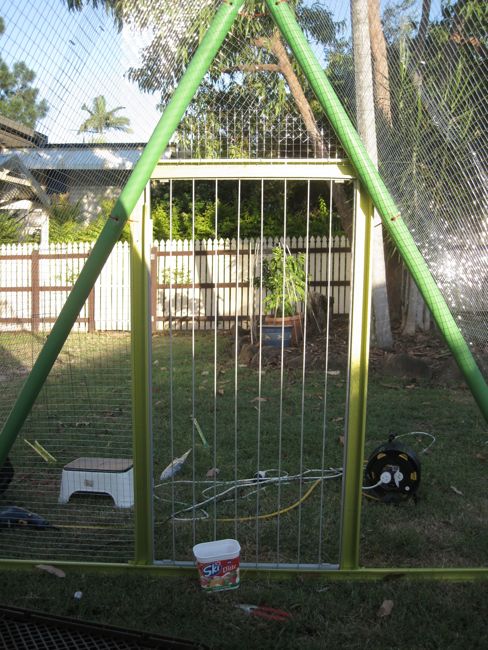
101	119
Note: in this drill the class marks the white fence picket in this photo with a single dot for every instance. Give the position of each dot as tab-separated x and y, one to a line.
203	286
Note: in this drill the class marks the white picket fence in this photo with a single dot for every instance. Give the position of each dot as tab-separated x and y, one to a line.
192	286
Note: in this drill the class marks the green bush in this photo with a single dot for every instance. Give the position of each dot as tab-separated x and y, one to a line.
284	278
10	229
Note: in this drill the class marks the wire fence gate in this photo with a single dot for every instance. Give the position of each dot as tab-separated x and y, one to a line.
241	445
141	446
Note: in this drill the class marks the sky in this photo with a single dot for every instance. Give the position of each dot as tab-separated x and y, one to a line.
79	55
76	56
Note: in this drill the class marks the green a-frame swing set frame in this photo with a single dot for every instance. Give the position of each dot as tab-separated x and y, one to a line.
370	190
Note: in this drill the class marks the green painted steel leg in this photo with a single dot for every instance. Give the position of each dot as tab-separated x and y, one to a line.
112	230
359	330
141	241
373	183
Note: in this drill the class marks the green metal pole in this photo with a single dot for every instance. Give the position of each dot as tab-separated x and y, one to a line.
357	392
199	65
141	348
371	179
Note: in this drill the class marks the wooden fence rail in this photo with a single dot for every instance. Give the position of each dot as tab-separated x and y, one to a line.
196	286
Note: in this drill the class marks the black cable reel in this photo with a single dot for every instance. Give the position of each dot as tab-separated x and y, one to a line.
392	472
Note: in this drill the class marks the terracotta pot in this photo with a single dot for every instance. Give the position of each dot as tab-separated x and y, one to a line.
296	323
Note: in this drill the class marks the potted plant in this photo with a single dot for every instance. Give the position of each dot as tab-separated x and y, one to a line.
284	279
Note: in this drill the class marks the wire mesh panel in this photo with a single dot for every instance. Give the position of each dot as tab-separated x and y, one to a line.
247	419
28	630
83	86
71	493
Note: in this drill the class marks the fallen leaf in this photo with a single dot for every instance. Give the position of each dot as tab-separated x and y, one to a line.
220	391
82	424
339	419
340	440
205	373
482	456
48	568
213	472
259	399
333	373
385	608
454	489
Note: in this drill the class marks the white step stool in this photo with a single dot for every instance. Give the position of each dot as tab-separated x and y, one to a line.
113	476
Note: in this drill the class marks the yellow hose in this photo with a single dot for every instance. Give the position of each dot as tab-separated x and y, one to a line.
278	512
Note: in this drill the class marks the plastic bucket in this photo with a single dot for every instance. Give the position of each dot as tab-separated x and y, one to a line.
218	564
276	335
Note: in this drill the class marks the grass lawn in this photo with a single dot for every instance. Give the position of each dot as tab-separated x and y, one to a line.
85	411
425	615
281	422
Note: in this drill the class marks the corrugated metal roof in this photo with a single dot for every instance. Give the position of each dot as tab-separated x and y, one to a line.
78	158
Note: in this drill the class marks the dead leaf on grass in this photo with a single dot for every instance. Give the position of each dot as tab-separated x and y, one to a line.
220	391
340	440
48	568
259	399
213	472
385	609
454	489
482	456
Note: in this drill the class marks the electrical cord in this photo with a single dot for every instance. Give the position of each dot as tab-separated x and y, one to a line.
260	482
419	433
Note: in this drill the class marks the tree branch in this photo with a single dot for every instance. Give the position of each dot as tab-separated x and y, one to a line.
254	67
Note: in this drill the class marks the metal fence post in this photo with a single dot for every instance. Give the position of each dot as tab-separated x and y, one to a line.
140	243
359	330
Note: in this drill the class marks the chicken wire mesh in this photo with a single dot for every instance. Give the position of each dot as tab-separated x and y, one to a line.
82	412
424	102
96	74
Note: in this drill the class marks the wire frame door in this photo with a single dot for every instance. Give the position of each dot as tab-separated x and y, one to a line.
249	430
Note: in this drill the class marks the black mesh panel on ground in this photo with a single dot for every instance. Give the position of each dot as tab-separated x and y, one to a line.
24	630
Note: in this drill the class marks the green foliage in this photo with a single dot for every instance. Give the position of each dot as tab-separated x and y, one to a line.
18	98
438	115
250	214
101	119
284	278
65	219
10	229
67	222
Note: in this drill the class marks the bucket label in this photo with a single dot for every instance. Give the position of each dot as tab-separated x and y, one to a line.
219	574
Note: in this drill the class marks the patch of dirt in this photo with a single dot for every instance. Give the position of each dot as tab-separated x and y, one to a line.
423	357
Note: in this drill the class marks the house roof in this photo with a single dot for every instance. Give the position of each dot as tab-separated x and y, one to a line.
14	134
80	157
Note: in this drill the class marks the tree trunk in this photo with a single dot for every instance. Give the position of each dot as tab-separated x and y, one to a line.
367	130
284	65
417	315
380	61
420	44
